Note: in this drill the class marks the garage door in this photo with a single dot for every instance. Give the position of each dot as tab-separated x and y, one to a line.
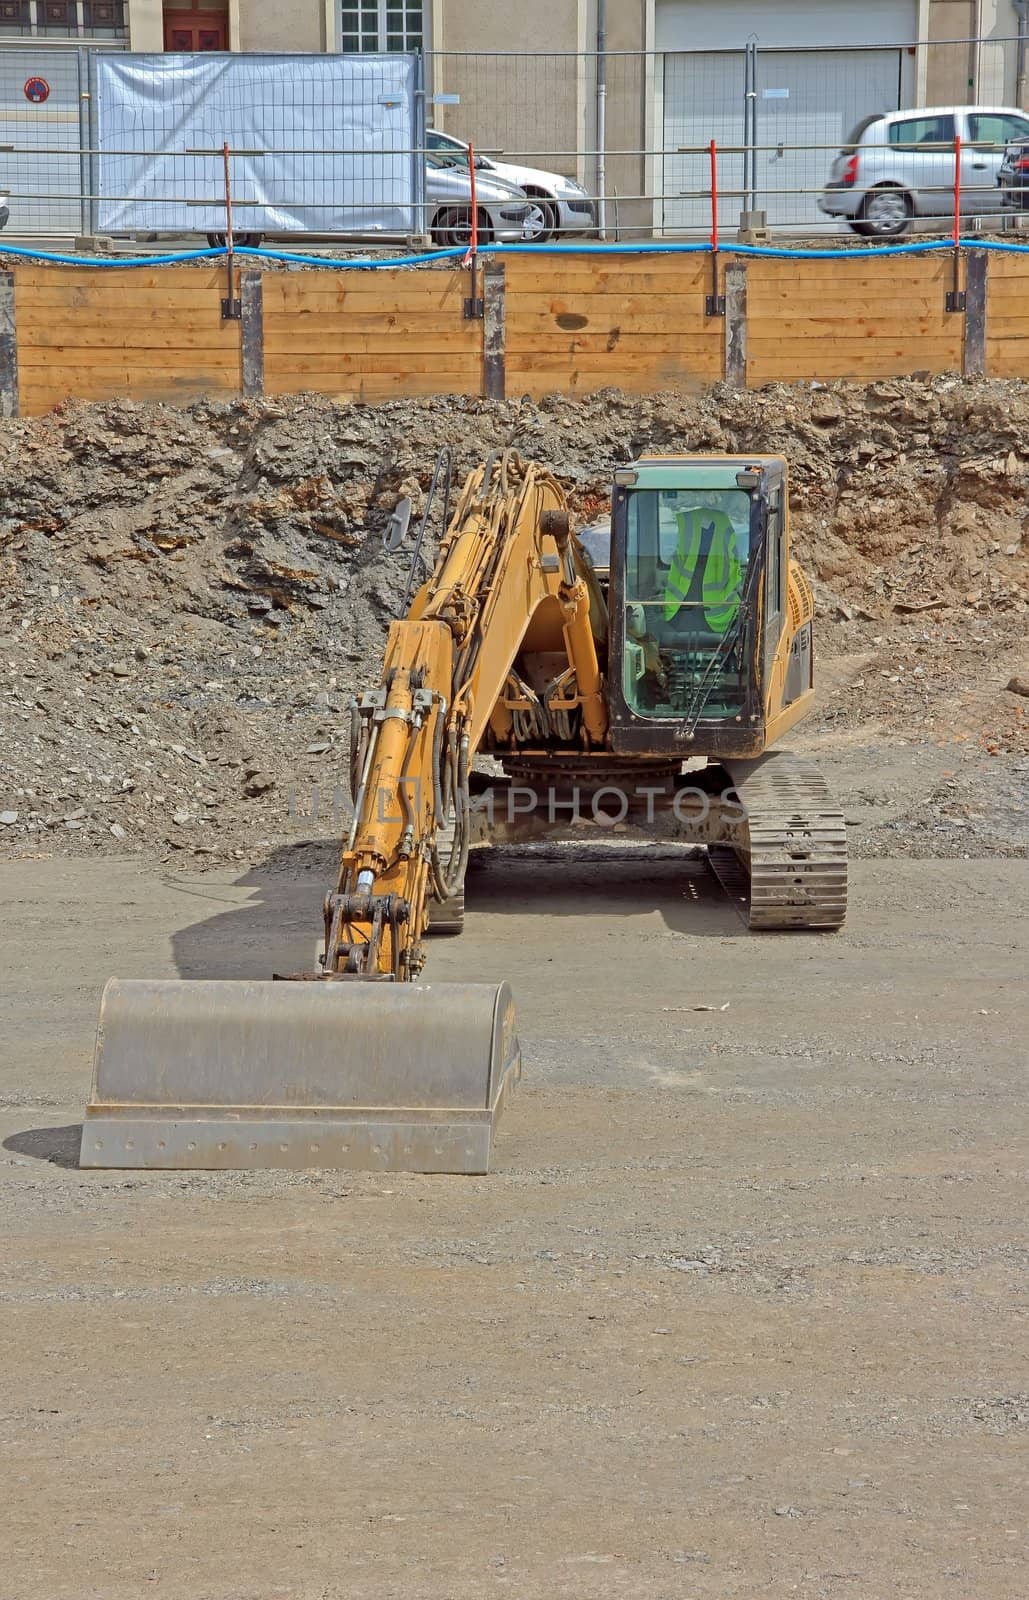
817	77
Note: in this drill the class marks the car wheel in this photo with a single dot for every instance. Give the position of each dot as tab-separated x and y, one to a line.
543	221
243	241
452	228
886	214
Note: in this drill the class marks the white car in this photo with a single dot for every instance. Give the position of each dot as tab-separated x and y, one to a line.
898	165
564	206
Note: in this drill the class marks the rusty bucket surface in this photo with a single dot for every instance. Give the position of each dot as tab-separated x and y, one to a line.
379	1077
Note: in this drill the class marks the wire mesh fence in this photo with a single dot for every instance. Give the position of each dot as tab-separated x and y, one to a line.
819	140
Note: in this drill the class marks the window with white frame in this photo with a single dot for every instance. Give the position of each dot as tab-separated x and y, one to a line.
64	19
382	25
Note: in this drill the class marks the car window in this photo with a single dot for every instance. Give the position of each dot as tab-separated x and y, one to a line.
995	128
921	133
441	141
855	138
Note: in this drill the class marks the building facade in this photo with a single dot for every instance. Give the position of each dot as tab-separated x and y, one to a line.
522	79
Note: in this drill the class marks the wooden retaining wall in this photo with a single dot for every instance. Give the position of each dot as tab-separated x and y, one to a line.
543	324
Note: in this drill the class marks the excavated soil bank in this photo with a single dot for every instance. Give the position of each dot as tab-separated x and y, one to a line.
189	597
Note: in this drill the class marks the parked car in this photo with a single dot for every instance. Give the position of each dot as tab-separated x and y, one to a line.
898	165
564	206
1013	177
506	214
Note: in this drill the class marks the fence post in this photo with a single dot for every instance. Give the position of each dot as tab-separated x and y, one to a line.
974	358
8	348
736	324
955	295
714	303
252	331
494	335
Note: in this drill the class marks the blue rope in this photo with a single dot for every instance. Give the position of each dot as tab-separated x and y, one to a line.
455	253
109	261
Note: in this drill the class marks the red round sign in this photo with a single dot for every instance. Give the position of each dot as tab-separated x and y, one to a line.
37	90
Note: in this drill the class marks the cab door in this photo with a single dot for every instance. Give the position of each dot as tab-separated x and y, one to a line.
773	599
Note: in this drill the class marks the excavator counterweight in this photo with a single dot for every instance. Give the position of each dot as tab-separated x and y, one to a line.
656	662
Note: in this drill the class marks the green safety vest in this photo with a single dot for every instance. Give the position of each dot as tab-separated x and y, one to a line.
723	571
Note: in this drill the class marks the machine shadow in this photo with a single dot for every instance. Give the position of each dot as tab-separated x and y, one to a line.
59	1146
278	929
604	879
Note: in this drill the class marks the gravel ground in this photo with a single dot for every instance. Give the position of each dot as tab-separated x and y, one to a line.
738	1313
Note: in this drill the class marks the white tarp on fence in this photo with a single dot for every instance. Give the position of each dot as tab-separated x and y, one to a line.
321	144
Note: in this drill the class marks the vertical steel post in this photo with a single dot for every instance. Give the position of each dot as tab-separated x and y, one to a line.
602	119
473	306
82	83
232	309
955	297
714	305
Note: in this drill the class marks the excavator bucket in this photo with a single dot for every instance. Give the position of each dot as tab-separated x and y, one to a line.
378	1077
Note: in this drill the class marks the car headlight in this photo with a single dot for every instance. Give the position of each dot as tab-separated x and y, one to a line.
569	186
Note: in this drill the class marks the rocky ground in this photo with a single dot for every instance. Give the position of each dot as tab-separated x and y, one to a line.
189	597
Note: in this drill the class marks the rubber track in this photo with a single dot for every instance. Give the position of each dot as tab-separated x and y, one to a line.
796	843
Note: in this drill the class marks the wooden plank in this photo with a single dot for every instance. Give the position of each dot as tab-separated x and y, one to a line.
347	363
857	345
395	349
402	321
8	348
663	319
830	308
159	337
1011	327
615	344
1011	290
180	278
1003	265
524	271
373	386
815	332
1007	362
133	366
535	384
676	358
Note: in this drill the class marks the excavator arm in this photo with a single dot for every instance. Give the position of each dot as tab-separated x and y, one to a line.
506	565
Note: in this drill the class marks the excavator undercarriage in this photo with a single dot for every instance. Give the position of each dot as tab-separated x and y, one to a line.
539	686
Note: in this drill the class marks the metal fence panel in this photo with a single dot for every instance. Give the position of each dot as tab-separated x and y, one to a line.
40	161
808	101
320	144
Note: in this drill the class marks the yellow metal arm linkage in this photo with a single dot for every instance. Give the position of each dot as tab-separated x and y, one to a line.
505	566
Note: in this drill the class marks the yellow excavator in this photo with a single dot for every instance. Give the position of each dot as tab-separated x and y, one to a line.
632	680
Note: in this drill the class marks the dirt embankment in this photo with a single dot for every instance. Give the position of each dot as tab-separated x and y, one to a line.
188	598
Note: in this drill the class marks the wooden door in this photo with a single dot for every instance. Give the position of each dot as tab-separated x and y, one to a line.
185	31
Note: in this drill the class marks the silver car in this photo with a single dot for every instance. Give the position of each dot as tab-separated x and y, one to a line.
562	206
506	215
898	165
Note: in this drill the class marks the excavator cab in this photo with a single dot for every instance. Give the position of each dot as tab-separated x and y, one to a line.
698	579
